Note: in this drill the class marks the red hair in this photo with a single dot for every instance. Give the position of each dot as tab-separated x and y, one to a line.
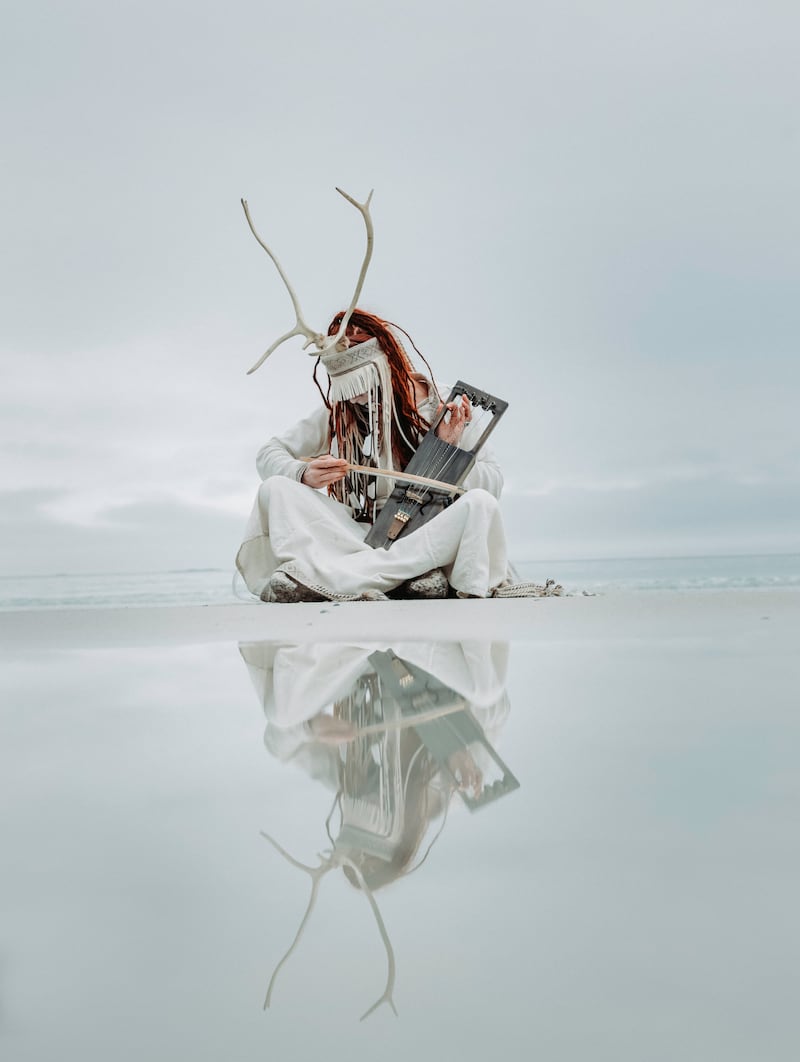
343	416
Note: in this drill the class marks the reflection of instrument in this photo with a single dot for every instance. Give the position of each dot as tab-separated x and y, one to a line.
411	505
372	782
417	692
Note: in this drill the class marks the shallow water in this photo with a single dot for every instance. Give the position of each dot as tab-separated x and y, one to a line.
634	898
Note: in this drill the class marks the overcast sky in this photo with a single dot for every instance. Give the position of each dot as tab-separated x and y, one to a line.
587	208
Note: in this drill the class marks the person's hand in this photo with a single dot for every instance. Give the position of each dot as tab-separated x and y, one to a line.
466	772
330	730
324	470
452	425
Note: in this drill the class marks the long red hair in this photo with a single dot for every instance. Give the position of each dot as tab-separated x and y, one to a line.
344	415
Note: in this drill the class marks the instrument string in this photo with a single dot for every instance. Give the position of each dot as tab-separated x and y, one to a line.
442	457
448	451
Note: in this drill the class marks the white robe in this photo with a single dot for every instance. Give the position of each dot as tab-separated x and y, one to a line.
314	538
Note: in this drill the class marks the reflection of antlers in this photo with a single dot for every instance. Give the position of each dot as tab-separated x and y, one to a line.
320	341
328	862
389	989
316	874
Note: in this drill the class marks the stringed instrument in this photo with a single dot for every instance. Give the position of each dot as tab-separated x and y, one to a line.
410	504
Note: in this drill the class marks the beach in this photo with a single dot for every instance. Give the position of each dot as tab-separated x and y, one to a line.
662	615
633	896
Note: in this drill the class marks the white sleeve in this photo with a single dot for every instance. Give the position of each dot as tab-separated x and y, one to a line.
485	473
308	438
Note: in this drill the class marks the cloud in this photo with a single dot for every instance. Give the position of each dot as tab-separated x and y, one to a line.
690	516
589	210
165	535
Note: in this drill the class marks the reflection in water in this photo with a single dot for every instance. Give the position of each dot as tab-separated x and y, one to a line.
396	733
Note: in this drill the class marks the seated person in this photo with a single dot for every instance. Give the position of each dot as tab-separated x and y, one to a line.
305	545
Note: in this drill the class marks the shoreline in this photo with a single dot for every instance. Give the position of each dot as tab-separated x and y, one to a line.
637	615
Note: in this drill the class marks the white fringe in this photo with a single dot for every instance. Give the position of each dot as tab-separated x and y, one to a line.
373	379
356	382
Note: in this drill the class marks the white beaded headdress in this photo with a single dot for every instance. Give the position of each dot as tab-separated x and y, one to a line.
354	371
364	370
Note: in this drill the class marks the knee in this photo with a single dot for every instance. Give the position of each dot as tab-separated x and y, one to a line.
478	498
279	487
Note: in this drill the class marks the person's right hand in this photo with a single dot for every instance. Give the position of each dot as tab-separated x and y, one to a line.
330	730
466	772
324	470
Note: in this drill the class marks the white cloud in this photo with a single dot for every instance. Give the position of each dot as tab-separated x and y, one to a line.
597	221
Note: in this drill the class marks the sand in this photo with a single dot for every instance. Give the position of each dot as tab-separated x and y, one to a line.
661	615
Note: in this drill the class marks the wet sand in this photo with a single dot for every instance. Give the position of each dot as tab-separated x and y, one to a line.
634	898
661	615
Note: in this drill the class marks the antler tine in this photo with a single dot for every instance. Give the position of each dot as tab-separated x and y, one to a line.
316	874
300	328
363	209
387	996
286	856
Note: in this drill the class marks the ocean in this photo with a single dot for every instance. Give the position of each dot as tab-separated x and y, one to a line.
216	586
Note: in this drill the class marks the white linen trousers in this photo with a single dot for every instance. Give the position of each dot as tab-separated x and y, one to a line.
315	539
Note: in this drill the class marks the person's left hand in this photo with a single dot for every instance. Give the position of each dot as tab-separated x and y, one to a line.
454	421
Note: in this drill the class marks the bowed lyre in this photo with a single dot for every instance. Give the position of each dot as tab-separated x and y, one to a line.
320	340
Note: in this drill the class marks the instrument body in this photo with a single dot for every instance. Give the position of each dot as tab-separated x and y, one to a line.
455	731
411	505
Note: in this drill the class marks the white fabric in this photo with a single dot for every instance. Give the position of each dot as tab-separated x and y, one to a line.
295	683
314	538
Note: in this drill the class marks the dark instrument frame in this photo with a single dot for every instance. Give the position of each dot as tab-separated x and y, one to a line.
454	464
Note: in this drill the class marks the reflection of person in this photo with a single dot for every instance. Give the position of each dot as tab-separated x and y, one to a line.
396	733
298	685
406	728
302	545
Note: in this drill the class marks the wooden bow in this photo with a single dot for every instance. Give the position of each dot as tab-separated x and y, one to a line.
404	477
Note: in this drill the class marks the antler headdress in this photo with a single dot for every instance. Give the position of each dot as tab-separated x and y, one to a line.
322	343
382	434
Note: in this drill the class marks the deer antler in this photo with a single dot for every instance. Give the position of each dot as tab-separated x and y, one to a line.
320	341
363	208
388	992
327	862
316	874
300	328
